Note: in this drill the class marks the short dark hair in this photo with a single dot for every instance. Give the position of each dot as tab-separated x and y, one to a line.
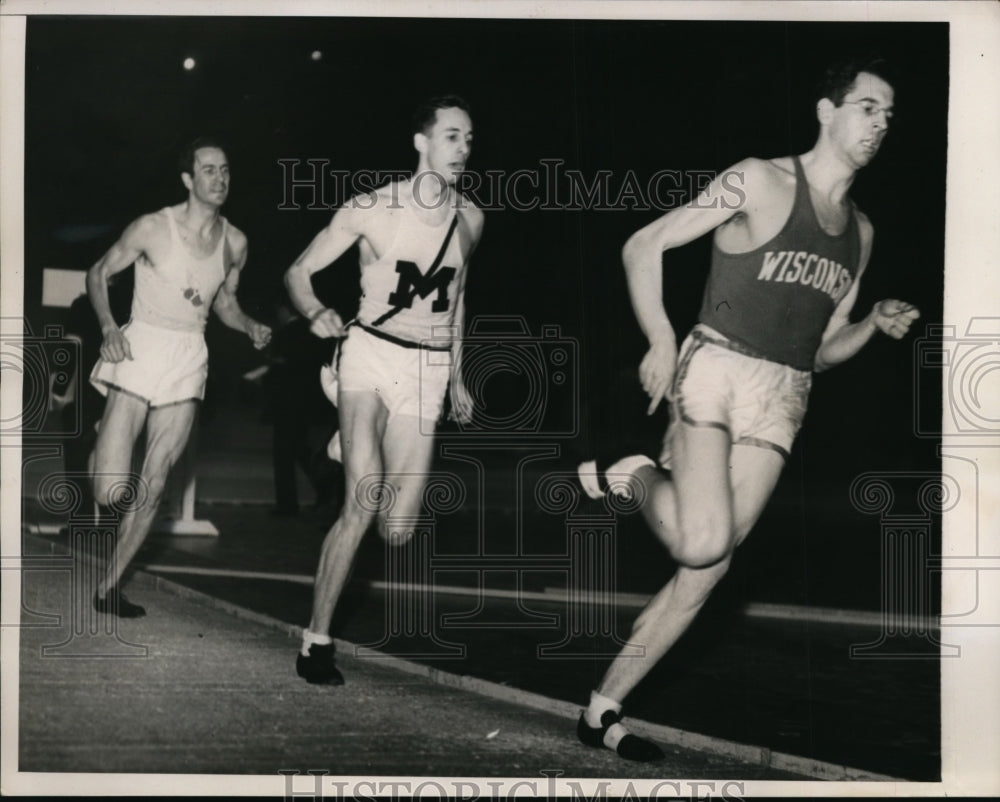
426	114
186	159
839	78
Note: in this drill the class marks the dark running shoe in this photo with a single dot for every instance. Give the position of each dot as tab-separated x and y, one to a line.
115	603
630	747
318	667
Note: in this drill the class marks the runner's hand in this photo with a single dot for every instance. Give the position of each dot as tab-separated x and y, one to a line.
327	323
656	372
894	317
115	346
259	334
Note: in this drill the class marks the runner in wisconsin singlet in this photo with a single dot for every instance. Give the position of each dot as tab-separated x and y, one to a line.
778	298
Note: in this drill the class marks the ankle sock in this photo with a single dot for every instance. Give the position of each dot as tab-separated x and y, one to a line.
309	638
598	705
627	466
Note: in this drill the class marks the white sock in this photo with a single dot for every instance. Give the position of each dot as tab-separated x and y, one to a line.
599	704
309	638
629	465
614	734
625	467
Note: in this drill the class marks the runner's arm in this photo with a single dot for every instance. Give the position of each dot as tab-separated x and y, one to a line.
642	257
327	246
461	400
226	305
843	339
133	242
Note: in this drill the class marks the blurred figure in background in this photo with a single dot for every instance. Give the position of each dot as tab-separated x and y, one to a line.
296	406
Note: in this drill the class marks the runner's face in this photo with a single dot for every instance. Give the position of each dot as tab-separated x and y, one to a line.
861	122
210	181
449	143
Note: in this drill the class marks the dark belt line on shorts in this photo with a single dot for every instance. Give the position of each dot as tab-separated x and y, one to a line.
724	342
398	340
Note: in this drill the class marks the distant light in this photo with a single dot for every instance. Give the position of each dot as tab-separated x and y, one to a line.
189	64
316	55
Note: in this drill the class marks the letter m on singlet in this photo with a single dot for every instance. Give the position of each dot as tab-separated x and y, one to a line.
413	283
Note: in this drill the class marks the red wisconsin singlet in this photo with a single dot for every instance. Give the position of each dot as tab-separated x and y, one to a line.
778	298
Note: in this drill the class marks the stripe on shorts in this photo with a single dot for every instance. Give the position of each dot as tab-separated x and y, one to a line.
706	424
122	390
682	370
175	403
759	443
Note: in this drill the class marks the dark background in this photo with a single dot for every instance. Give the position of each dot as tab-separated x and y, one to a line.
109	105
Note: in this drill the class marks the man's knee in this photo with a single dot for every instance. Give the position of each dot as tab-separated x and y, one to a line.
111	491
394	532
115	488
701	554
399	512
704	541
741	529
400	507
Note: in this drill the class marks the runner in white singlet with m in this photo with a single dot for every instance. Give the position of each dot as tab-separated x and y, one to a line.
415	238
